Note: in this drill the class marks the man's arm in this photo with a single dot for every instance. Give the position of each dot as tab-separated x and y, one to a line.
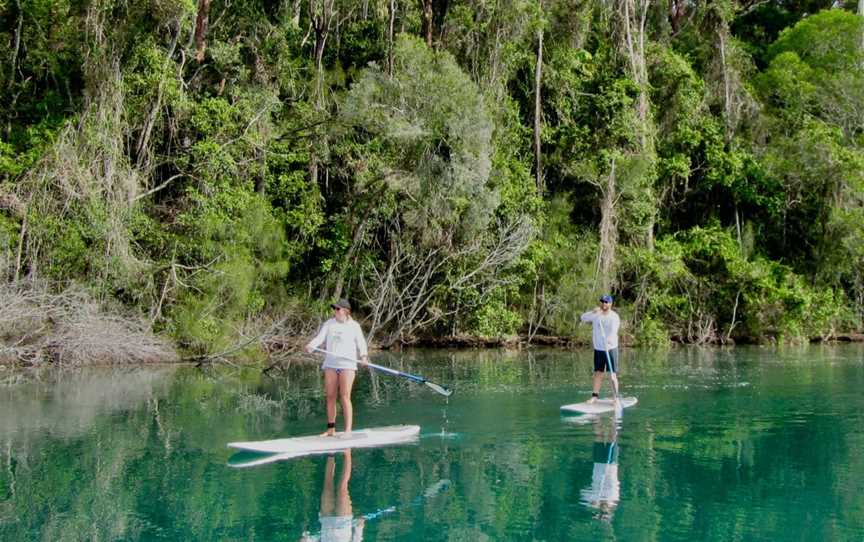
591	315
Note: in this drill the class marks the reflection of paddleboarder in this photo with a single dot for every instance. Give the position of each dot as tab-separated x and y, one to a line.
336	515
605	490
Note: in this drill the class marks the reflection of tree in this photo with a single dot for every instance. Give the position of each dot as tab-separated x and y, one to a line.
68	458
143	458
65	404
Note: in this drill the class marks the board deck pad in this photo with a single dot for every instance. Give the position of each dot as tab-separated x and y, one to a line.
360	438
599	406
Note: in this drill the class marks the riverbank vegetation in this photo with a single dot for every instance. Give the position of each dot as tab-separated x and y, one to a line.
217	171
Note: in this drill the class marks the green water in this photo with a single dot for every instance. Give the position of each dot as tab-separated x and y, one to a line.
743	444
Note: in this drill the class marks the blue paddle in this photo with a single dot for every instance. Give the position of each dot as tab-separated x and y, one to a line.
443	390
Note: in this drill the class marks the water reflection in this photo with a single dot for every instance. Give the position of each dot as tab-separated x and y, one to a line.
337	514
605	490
139	455
67	403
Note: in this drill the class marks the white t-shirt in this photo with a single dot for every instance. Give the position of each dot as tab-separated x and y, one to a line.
344	342
604	325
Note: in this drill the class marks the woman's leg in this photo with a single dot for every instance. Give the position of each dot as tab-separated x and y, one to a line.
346	382
328	493
331	388
343	497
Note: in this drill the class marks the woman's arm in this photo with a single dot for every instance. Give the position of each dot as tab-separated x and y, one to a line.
319	339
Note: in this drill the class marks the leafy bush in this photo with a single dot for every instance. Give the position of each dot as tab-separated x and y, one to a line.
701	287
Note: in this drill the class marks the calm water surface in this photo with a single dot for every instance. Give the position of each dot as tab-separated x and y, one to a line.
743	444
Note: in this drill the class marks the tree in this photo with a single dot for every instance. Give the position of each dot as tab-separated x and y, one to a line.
425	150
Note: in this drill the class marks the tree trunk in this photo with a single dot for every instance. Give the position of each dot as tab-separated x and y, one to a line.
729	123
608	232
677	9
432	14
426	19
439	12
201	29
295	13
17	47
143	157
321	21
321	17
261	179
391	8
634	17
538	77
861	13
634	14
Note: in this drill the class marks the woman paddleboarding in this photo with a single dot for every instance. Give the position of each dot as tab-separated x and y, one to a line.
344	342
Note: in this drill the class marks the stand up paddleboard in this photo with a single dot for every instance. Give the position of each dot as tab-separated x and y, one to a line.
599	406
360	438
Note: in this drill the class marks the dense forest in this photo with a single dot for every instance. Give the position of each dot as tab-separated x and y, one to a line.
216	172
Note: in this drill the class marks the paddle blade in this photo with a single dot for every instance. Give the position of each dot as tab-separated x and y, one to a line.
446	392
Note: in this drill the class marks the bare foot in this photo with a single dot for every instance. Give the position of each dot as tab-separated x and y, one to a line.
328	433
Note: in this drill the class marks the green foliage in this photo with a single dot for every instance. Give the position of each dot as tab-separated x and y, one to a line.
430	140
238	251
200	192
698	284
493	318
815	70
830	39
559	265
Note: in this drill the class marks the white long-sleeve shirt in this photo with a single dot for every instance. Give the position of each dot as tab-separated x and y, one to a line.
604	333
344	342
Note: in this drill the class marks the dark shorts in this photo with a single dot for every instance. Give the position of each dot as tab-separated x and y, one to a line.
600	362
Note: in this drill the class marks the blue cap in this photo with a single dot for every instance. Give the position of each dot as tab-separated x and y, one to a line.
605	298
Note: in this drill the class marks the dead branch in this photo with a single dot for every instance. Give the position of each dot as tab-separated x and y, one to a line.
71	329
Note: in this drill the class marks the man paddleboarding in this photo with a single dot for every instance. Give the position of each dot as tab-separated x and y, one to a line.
344	342
605	323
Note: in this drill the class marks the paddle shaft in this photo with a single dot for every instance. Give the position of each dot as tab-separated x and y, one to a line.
419	379
387	370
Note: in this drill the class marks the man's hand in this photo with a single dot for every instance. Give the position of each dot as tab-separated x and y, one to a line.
308	349
364	360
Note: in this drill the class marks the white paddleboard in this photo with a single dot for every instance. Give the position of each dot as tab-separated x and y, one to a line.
599	406
360	438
